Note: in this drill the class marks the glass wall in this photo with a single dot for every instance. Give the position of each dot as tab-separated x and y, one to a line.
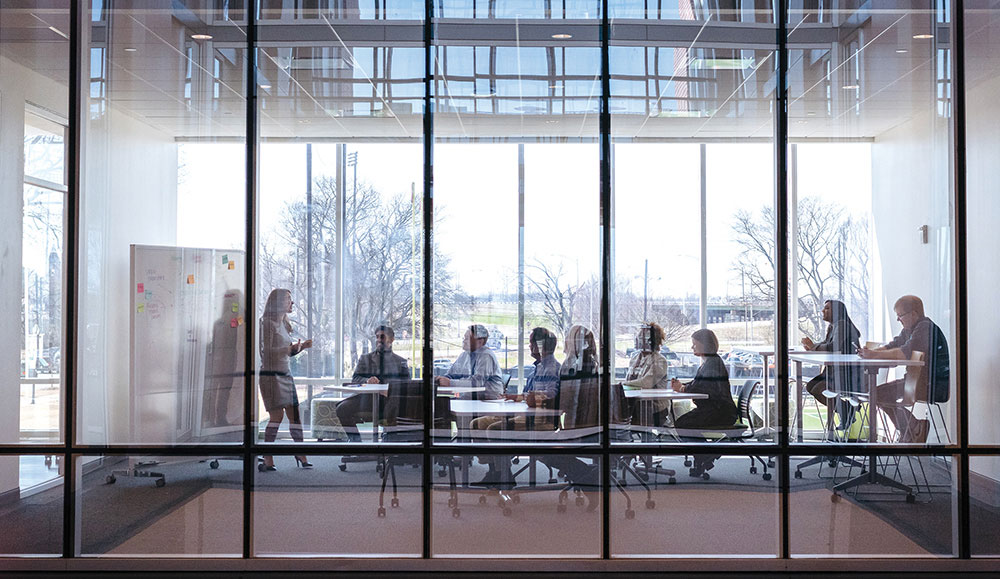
497	279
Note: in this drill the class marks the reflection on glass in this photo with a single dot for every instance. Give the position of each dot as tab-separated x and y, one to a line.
984	505
881	96
374	504
491	520
874	520
32	491
162	227
734	511
982	68
160	505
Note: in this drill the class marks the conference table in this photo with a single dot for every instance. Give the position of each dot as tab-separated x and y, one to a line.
383	389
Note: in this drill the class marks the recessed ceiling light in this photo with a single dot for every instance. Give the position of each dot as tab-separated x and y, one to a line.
551	122
900	51
201	36
130	49
850	87
562	36
303	121
265	86
923	36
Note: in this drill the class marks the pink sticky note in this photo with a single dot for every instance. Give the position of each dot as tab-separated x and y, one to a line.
233	323
139	288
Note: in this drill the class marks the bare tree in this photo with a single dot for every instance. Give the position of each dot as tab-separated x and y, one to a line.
557	297
831	255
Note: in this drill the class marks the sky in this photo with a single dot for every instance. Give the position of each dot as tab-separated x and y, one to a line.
657	193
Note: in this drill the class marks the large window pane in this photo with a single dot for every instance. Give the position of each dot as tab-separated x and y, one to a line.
872	228
517	228
162	314
34	75
693	293
982	51
160	505
341	226
875	520
32	491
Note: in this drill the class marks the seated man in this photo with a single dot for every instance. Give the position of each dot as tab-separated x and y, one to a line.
919	334
376	367
476	366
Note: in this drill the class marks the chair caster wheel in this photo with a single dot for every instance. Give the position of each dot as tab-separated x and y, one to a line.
753	470
630	514
516	499
482	499
834	498
798	474
766	476
672	481
580	501
456	513
515	460
381	512
394	503
343	467
911	499
507	512
650	504
160	483
110	479
770	464
561	508
260	467
442	473
687	463
213	465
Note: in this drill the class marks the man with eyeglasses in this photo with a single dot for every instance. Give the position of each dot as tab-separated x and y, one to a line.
919	334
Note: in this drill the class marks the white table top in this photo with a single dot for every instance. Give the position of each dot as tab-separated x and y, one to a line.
852	360
661	393
498	408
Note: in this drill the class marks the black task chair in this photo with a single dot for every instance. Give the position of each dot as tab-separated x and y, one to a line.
404	419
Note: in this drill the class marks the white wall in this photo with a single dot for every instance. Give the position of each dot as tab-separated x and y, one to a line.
983	177
18	86
129	196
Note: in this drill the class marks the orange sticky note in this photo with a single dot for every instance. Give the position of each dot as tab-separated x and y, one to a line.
190	278
239	320
232	265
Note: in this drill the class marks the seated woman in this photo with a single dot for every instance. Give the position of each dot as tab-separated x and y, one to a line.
842	337
648	369
716	411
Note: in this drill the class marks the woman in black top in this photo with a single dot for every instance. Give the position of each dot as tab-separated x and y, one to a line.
716	411
842	337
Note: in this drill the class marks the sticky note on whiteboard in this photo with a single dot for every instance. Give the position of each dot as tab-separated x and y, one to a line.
190	278
233	323
140	308
232	265
139	288
236	307
225	258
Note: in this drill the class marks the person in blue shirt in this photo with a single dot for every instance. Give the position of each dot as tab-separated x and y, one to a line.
476	366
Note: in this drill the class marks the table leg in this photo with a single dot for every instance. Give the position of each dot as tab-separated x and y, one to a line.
375	417
798	400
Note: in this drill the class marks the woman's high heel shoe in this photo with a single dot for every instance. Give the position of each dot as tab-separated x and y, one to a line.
303	462
264	467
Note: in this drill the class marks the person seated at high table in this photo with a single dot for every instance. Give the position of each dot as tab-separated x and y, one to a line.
919	334
376	367
842	337
716	411
648	369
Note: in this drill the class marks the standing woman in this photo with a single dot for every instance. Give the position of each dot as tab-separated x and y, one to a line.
277	389
842	337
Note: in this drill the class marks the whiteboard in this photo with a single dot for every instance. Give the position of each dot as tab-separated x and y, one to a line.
187	337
